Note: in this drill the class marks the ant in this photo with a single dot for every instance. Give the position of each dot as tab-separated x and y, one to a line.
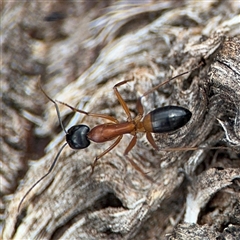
161	120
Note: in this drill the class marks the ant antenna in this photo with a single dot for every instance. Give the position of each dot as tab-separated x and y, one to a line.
56	106
39	180
58	154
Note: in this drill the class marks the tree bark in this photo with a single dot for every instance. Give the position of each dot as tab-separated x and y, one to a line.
80	51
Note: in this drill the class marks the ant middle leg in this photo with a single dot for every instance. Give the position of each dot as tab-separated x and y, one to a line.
131	145
120	99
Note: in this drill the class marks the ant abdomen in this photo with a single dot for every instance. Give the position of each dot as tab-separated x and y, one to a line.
166	119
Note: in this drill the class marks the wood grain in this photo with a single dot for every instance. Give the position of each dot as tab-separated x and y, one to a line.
81	50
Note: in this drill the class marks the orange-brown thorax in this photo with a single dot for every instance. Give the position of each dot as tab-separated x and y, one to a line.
109	131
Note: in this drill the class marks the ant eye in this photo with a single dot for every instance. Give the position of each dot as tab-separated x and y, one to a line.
76	137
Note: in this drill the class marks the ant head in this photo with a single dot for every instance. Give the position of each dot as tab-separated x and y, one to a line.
76	136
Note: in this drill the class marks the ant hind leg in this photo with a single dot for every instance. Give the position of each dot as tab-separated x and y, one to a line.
151	140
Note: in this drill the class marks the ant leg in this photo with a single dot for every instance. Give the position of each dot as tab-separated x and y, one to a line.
120	99
168	80
128	149
151	140
139	169
110	118
140	110
135	165
131	145
105	152
139	103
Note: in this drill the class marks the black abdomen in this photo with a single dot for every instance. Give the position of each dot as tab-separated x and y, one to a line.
167	119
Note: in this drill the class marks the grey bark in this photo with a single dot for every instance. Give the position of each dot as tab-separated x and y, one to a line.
81	50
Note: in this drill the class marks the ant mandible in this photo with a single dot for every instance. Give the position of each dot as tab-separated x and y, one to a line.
161	120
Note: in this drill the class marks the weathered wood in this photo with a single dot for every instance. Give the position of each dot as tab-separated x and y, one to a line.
117	201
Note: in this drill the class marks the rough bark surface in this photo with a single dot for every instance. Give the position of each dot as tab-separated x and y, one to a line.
81	50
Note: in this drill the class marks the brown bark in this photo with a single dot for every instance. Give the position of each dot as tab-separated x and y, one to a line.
81	50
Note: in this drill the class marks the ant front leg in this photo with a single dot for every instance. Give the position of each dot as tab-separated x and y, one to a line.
105	152
110	118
